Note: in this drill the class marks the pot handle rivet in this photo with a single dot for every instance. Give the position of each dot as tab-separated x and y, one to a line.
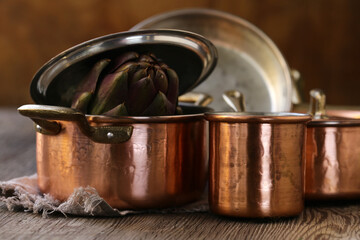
110	135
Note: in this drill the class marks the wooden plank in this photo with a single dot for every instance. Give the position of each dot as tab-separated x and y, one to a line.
314	223
320	221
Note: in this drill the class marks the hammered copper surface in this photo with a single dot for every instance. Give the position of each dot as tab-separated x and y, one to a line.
332	162
256	169
162	165
332	152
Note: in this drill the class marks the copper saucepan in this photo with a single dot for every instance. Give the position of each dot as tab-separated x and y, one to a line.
256	163
133	162
332	152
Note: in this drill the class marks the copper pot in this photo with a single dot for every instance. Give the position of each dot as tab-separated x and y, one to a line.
133	162
256	163
332	152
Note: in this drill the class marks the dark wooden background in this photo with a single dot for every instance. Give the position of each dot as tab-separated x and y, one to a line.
320	38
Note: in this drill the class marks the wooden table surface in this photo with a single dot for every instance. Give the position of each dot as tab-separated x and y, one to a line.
340	220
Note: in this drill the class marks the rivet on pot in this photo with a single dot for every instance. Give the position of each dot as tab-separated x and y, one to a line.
110	135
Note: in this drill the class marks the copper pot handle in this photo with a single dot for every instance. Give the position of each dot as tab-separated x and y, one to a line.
235	100
196	98
317	107
46	117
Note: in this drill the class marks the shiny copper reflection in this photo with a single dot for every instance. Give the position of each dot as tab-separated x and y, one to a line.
332	162
256	169
162	165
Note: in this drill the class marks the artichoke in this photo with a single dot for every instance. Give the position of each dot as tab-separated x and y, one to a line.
130	85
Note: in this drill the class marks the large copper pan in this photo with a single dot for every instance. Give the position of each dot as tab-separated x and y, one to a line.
133	162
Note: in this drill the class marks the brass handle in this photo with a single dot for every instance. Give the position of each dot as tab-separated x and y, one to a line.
196	98
235	100
317	104
45	118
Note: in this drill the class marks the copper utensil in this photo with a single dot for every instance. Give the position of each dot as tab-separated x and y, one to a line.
256	162
332	152
235	100
196	98
133	162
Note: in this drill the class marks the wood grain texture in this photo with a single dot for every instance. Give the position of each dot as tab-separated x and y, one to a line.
319	38
339	220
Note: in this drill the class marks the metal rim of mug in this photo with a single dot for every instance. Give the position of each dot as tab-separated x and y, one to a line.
258	117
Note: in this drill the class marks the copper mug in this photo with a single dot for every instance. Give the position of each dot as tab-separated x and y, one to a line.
332	152
256	163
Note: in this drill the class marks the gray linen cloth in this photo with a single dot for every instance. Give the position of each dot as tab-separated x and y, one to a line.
23	194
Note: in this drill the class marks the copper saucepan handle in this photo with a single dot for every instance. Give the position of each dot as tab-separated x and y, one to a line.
196	98
317	104
235	100
46	117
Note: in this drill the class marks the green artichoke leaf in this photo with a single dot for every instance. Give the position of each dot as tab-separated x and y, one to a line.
132	84
88	84
146	58
119	61
141	94
160	106
82	102
119	110
129	67
138	75
161	81
112	92
173	88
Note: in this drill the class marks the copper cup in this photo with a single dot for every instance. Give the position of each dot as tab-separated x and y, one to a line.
332	152
256	163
